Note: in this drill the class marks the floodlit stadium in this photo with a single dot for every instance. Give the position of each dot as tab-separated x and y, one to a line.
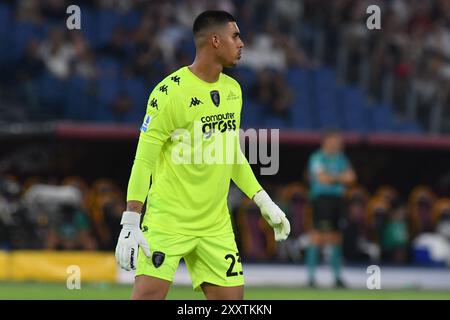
341	109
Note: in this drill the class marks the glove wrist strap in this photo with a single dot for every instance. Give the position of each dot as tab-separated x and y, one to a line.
261	198
130	217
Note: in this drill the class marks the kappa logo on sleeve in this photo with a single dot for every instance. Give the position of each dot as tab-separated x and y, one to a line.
146	122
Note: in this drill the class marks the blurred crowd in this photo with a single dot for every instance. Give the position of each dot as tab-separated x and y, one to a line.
122	50
59	215
407	62
379	227
104	71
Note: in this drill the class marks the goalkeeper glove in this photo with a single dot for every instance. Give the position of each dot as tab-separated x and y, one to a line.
130	238
274	216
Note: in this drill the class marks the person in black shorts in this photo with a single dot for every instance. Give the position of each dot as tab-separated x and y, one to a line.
329	173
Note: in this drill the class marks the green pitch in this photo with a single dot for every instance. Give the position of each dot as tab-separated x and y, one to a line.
52	291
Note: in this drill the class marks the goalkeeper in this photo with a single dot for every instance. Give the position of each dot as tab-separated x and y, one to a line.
187	215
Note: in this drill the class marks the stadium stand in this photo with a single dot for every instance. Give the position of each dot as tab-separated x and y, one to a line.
311	74
114	53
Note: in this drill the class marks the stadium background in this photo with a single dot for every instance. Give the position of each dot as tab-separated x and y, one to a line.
71	103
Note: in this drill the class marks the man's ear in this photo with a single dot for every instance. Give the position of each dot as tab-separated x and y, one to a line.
215	40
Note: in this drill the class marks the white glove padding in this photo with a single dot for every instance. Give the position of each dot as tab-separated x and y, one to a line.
130	239
274	216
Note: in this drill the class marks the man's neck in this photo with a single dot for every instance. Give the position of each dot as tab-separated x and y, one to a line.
206	69
327	152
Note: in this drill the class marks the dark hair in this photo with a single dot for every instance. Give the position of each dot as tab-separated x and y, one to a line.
211	18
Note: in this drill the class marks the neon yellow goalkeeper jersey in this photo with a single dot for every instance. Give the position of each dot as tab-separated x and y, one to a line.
196	125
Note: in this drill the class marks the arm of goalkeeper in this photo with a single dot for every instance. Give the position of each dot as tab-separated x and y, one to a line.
131	236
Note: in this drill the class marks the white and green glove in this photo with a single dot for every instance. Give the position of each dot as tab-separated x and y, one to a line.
130	239
274	216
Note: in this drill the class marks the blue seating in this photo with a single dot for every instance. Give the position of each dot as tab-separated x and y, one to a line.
51	91
89	26
80	101
50	87
22	33
138	92
324	79
5	20
5	37
108	20
353	109
302	107
187	47
327	120
102	113
382	118
273	122
107	92
301	115
324	98
108	89
297	78
130	19
326	110
407	126
246	77
251	114
108	67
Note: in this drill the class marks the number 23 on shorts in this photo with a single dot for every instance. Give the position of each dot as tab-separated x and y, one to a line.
233	258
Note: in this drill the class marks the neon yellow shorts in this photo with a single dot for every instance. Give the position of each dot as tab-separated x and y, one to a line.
208	259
